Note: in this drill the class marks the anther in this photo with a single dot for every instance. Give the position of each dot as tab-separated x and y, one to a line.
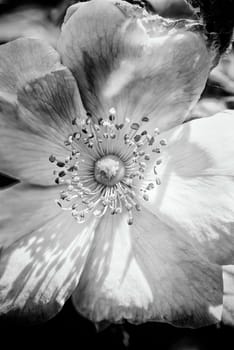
52	158
163	142
156	131
112	114
151	141
62	173
130	220
147	157
119	126
138	208
137	138
135	126
145	119
76	136
63	195
67	143
158	181
150	186
60	164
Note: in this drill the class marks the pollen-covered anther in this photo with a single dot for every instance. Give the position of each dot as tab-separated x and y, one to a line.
106	166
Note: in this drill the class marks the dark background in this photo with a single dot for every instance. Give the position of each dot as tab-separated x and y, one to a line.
68	328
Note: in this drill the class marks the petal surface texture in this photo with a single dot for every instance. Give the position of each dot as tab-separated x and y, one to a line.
38	99
43	252
139	64
147	272
196	195
228	297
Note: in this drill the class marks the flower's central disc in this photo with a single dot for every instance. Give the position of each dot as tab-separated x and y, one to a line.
109	170
110	166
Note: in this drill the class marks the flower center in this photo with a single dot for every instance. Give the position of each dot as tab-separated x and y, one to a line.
109	170
110	166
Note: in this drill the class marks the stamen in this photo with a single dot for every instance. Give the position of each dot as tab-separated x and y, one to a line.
106	160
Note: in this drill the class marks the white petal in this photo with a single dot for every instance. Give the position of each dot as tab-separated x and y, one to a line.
140	65
197	185
228	295
41	268
147	272
38	100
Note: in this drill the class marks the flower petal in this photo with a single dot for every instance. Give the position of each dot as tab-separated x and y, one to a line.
196	195
141	65
147	272
24	208
23	60
228	297
40	269
36	113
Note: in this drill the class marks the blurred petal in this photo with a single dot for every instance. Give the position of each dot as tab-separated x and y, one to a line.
196	196
223	75
139	64
35	118
23	60
31	21
147	272
207	107
40	269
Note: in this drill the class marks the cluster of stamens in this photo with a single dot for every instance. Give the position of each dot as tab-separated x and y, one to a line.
106	165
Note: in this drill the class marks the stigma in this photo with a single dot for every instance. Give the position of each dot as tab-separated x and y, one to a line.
106	165
109	170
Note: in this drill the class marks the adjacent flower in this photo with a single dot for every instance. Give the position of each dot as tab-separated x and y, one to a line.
148	201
